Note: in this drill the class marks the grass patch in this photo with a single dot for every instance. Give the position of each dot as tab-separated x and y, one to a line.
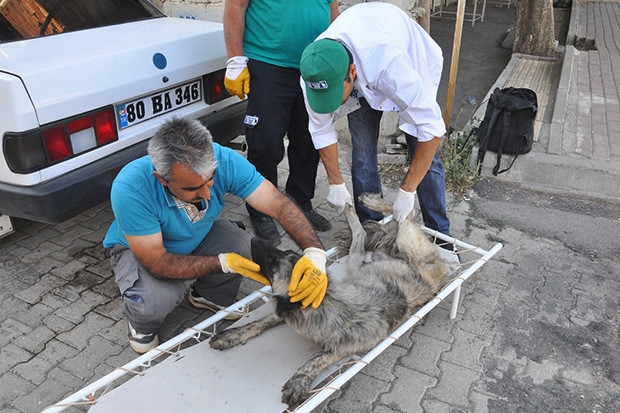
497	224
455	154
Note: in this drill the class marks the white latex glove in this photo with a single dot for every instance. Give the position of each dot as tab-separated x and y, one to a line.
338	196
237	77
403	204
317	256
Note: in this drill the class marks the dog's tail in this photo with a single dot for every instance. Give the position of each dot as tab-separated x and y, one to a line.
379	237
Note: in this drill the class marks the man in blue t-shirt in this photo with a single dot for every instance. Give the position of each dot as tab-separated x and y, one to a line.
166	230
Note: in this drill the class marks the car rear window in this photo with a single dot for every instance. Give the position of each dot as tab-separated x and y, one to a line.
27	19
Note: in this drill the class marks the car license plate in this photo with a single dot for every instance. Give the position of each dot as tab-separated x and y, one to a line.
139	110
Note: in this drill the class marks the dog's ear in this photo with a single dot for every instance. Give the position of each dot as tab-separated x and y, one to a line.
284	305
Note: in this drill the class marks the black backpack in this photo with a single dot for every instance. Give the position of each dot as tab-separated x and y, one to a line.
508	124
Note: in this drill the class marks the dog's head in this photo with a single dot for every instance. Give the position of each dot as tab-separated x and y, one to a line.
277	267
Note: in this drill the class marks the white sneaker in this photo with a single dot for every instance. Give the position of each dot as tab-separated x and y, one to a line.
141	343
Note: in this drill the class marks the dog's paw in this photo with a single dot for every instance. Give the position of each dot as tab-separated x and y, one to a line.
375	202
226	339
296	390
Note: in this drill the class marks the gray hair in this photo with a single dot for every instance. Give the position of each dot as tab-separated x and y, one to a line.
186	141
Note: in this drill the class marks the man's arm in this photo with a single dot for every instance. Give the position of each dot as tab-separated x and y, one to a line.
234	26
333	11
329	157
268	200
151	253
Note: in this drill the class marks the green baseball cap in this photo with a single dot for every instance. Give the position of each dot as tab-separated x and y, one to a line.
324	66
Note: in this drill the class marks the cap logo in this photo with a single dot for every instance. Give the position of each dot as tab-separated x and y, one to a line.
322	84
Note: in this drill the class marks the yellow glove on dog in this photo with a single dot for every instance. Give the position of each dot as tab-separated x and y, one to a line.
237	77
309	281
236	263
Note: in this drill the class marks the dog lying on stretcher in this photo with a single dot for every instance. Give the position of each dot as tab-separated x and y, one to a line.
361	308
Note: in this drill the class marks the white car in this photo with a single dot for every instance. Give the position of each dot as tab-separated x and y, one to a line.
85	84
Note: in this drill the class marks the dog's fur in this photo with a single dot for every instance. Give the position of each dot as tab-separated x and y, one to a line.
359	310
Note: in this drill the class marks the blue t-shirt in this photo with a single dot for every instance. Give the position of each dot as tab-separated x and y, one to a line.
143	206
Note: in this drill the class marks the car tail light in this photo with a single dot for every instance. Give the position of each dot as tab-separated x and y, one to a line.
57	144
36	149
214	89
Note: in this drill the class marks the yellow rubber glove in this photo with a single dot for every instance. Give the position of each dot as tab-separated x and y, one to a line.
237	77
309	281
232	262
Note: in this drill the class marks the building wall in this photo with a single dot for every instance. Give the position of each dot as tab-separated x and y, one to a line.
214	9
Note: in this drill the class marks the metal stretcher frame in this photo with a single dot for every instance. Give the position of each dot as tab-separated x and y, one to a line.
87	395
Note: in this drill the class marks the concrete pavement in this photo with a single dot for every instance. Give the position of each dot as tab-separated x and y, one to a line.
537	330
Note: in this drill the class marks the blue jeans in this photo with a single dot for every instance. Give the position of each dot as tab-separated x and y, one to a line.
364	126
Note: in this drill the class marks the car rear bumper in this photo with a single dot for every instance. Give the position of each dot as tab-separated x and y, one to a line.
226	124
60	199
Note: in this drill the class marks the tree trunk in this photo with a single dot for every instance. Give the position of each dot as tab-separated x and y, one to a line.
534	34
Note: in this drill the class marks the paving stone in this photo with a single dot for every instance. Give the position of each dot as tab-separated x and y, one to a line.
58	324
381	367
48	393
12	387
36	340
10	306
34	370
382	409
579	376
108	288
11	329
36	240
437	406
357	398
84	280
407	390
466	350
79	336
70	270
84	363
86	302
46	284
67	379
10	356
72	251
436	324
77	231
424	354
102	268
479	402
45	249
455	384
56	351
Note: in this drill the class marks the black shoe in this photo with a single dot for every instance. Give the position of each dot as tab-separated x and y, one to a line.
444	244
319	222
265	228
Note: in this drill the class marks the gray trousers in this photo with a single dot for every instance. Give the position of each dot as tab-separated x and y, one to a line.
148	300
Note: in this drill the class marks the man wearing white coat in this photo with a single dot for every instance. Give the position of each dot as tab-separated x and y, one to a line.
375	58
